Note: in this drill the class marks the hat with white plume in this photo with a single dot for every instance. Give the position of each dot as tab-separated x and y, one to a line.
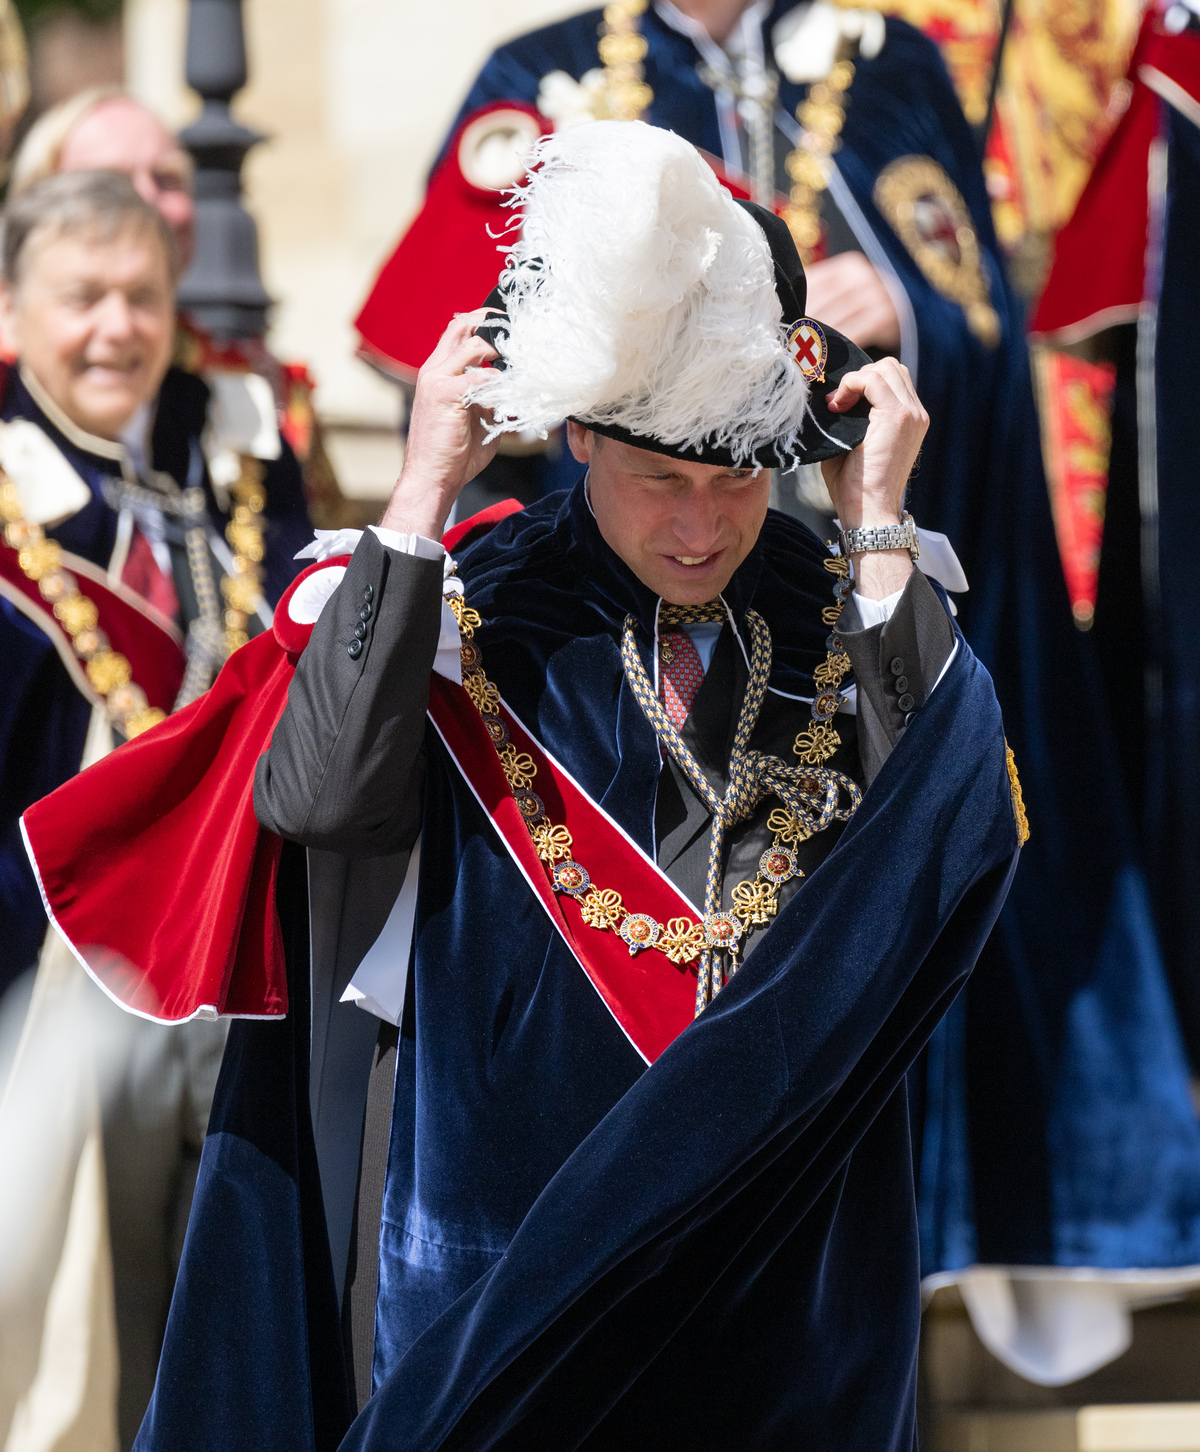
647	304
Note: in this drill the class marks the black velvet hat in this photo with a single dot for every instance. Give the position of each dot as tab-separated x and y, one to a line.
821	353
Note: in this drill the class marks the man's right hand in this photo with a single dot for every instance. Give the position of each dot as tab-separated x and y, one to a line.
445	447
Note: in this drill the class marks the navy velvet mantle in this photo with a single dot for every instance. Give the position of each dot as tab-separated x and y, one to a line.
1053	1123
571	1243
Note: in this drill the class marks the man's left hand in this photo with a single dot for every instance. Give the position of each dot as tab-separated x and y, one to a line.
867	484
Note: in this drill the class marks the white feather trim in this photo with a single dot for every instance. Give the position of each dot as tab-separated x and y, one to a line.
640	295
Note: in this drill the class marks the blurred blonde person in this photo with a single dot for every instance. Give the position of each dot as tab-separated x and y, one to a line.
103	129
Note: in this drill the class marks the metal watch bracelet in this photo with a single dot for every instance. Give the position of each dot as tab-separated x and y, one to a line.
902	536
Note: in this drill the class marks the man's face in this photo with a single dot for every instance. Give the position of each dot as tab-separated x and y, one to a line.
120	135
683	529
94	323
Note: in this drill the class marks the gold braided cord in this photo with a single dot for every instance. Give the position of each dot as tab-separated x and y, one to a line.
710	613
811	796
108	671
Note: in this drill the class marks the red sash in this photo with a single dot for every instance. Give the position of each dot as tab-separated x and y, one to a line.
651	999
150	642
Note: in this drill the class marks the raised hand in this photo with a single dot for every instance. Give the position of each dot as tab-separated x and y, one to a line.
445	447
867	484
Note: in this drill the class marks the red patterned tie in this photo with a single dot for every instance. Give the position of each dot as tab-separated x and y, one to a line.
680	675
143	573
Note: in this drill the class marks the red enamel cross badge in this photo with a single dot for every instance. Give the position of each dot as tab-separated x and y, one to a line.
806	343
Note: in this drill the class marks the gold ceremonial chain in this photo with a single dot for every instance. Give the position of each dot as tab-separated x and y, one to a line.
622	49
680	939
821	115
811	795
243	588
821	740
108	670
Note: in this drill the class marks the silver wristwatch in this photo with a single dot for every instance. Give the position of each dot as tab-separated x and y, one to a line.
902	536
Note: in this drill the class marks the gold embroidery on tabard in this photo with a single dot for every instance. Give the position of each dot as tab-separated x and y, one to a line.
927	212
1018	797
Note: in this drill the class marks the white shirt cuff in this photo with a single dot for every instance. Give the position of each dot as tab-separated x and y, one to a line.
330	542
409	544
876	612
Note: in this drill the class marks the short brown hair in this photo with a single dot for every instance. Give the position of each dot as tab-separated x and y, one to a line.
102	203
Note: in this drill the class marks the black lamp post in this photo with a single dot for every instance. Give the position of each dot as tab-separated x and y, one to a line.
222	288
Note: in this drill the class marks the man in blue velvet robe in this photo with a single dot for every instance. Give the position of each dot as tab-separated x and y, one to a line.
1030	1154
546	1232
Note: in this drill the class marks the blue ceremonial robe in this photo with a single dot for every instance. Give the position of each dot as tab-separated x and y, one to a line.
1147	598
43	717
719	1250
1172	829
1055	1127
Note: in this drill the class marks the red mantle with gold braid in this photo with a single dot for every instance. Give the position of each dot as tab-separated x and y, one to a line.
148	640
171	932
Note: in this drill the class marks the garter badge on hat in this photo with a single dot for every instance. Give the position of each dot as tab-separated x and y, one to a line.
806	343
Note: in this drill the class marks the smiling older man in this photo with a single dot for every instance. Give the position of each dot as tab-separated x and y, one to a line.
626	1163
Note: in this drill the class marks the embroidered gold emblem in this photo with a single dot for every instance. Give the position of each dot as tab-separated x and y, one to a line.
927	212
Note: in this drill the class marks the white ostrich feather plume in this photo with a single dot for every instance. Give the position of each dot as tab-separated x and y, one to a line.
641	296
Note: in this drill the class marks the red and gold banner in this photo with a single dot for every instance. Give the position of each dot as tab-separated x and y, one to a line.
1075	404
